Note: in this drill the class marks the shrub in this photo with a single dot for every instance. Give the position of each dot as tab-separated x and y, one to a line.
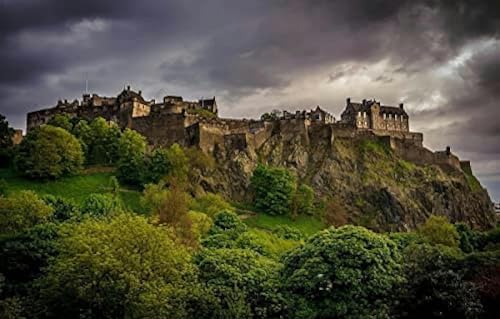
49	152
437	230
210	204
64	209
100	205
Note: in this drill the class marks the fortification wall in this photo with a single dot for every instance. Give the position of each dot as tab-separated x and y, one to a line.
444	158
162	129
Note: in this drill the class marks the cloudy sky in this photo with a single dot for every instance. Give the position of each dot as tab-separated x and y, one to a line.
441	58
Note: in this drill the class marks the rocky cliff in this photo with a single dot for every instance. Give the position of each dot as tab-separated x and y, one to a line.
367	179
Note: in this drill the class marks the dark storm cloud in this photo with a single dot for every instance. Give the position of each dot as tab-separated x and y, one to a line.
241	49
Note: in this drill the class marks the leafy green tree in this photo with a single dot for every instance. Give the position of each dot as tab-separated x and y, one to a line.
131	150
158	165
347	272
6	133
101	205
103	148
434	287
226	228
61	120
179	162
438	230
49	152
273	189
24	254
245	282
21	211
118	268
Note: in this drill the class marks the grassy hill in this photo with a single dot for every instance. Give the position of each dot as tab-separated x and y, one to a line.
76	188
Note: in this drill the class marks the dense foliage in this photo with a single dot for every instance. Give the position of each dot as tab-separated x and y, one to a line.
192	254
347	272
49	152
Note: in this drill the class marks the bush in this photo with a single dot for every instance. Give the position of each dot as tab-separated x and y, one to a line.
64	209
21	211
49	152
273	189
438	230
347	272
210	204
100	205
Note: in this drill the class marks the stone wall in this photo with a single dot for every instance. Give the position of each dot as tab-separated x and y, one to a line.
162	129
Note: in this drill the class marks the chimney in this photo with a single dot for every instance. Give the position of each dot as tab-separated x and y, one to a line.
348	101
128	87
364	101
401	105
140	92
448	150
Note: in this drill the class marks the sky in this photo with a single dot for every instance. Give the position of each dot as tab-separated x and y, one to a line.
441	58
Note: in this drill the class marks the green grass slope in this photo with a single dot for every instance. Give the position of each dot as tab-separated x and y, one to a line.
76	188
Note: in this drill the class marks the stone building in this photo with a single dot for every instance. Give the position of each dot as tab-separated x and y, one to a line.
370	114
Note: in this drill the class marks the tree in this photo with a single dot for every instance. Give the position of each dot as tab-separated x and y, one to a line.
170	207
61	120
245	282
21	211
103	147
437	230
118	268
434	288
6	133
273	189
347	272
131	150
225	230
49	152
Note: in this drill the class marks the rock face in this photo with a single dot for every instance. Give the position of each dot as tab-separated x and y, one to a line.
368	178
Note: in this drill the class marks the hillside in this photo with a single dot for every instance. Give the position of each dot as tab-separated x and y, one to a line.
370	183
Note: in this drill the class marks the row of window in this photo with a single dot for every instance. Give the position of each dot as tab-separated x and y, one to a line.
384	115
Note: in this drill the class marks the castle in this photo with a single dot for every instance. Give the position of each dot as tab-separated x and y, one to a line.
196	123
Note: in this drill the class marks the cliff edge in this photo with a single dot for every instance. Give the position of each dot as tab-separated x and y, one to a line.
381	182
